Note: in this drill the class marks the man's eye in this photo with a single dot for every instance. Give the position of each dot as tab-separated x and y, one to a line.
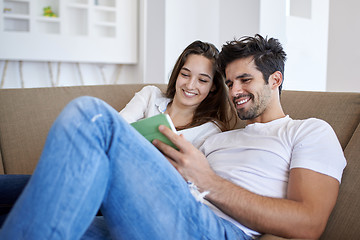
245	80
229	84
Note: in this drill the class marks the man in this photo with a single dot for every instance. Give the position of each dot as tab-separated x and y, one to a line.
275	176
278	175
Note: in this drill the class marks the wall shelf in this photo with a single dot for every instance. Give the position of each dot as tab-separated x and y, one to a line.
48	19
16	16
77	5
82	31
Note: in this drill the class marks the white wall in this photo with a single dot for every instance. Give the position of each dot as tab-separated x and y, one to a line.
238	18
153	41
212	21
273	19
306	46
343	50
302	28
187	21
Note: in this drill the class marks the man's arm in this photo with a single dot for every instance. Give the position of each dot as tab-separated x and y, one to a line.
311	196
304	214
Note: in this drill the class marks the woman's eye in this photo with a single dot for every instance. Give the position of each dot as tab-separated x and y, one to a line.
203	80
184	74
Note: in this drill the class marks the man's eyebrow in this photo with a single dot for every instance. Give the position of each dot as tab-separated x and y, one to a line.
244	75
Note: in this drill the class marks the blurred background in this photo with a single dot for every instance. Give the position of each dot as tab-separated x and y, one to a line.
49	43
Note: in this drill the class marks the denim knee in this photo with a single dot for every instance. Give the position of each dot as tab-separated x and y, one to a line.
87	106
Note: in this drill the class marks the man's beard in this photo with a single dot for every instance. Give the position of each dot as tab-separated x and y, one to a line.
252	113
258	106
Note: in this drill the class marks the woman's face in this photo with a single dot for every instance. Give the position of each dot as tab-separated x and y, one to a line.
194	82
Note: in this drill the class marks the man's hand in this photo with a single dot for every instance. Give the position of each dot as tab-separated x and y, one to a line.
188	161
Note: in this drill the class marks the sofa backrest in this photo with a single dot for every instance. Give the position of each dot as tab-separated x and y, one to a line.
340	110
26	116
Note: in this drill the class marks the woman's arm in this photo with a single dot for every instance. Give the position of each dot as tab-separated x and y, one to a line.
136	108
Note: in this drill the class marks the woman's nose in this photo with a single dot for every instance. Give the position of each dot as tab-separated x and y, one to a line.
191	83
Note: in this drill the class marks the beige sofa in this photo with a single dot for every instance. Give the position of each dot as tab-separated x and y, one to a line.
27	114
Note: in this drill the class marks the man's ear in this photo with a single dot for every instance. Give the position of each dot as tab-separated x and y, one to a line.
275	79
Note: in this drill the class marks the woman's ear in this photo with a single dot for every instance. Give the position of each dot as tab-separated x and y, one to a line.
276	79
213	88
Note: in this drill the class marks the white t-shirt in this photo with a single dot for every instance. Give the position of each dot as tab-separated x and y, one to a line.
150	101
260	156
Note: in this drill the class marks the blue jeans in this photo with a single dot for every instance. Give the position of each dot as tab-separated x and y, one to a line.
93	159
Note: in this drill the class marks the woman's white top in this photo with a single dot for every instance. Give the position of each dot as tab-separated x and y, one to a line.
150	101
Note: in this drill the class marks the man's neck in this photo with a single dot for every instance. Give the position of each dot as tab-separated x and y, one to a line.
261	119
272	112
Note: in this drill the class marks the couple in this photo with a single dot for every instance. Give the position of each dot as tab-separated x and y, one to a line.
277	175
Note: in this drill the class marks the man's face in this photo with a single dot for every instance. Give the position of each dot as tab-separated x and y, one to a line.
247	89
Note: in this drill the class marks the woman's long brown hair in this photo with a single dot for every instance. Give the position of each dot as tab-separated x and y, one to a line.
216	107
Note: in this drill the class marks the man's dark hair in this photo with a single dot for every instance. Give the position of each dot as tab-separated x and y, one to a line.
268	54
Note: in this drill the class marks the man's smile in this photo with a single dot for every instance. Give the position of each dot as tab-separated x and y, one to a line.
238	101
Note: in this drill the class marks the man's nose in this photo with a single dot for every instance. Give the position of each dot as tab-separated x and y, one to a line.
236	89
